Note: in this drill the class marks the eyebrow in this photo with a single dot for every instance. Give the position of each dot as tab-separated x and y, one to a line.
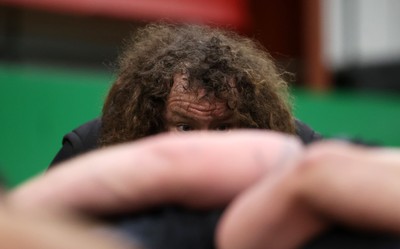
177	114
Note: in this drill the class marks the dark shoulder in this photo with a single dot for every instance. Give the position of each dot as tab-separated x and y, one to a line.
82	139
305	133
88	134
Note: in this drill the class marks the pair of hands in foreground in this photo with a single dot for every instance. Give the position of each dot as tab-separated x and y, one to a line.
276	190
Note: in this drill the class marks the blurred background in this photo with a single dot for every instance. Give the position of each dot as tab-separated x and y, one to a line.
57	56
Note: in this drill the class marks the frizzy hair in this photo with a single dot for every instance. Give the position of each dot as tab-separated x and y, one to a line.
212	59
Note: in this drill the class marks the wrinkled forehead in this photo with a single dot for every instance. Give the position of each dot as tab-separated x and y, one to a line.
183	86
198	103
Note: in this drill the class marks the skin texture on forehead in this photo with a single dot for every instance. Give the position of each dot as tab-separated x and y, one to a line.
196	109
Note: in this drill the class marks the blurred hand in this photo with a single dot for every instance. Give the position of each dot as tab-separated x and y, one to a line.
335	182
198	170
29	230
283	194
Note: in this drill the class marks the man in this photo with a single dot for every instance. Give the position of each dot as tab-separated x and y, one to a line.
185	78
279	194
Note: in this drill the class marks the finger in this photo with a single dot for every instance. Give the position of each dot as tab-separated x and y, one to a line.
197	170
335	183
354	185
267	215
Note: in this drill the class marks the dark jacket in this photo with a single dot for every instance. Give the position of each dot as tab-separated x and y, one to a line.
85	137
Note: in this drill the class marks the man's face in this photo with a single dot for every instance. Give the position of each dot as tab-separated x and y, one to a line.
190	110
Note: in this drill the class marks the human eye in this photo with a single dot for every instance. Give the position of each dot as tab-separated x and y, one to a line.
223	127
184	127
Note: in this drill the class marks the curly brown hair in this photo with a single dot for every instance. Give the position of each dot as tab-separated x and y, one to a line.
212	59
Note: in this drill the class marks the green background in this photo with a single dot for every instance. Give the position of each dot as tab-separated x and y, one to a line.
39	105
